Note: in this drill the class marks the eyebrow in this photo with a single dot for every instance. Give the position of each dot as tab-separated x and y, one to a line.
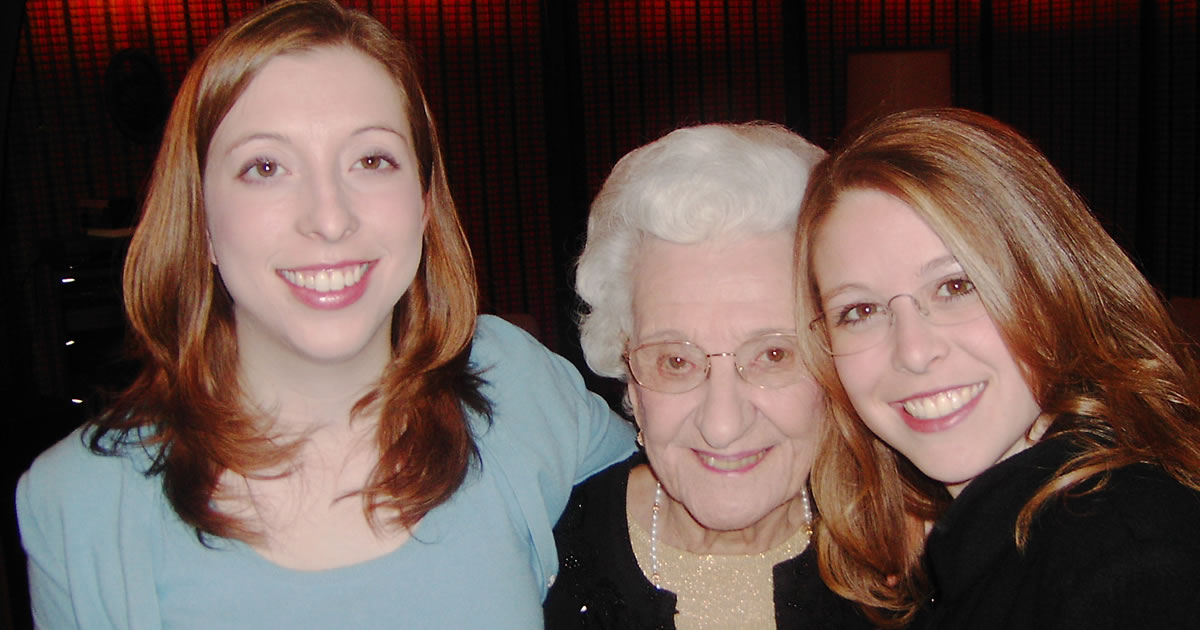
933	265
938	263
279	137
255	136
674	336
383	128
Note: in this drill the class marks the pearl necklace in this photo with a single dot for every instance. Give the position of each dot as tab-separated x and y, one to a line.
659	496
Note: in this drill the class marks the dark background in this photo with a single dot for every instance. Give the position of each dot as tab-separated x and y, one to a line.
536	100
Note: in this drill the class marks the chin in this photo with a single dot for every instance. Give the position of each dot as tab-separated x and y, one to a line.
727	519
353	340
952	472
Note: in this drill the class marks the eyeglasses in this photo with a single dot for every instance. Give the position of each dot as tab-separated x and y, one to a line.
674	367
857	326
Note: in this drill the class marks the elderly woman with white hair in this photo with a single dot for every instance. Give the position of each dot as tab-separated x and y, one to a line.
688	282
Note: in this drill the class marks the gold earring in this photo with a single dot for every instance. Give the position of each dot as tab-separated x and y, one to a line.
640	440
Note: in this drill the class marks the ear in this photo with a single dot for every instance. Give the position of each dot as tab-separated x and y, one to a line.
631	391
212	256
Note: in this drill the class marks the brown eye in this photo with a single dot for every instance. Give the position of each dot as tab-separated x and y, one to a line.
674	364
777	355
853	314
265	168
955	287
376	162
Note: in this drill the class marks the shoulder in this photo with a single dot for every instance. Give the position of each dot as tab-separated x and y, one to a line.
547	432
802	600
1141	505
523	379
542	411
72	476
1127	550
496	339
73	490
600	584
597	505
88	526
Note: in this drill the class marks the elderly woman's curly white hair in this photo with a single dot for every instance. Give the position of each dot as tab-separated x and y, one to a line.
696	184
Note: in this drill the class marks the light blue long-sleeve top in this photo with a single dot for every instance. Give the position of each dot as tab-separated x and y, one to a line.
106	550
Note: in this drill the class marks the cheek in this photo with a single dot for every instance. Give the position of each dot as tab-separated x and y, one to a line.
226	221
661	417
220	247
400	227
1014	387
231	240
984	341
856	374
860	379
797	411
247	224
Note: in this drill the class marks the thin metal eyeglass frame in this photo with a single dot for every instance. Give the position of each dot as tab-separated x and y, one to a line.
925	312
741	369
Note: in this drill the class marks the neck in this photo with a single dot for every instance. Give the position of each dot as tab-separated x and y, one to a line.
677	528
301	397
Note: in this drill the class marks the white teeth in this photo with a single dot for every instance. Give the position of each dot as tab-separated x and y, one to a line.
327	280
942	403
733	464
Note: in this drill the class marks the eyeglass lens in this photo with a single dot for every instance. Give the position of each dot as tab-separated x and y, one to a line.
768	361
856	326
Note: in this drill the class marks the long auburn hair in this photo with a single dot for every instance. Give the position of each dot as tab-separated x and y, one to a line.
1106	364
186	408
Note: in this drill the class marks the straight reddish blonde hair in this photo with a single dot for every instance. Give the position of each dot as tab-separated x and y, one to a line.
186	408
1107	366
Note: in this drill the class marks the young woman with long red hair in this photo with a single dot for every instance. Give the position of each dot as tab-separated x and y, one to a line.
1015	422
323	433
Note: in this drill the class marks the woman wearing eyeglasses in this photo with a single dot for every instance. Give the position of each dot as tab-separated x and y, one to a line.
687	277
1016	419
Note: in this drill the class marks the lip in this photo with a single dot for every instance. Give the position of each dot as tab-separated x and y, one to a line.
329	300
935	425
734	463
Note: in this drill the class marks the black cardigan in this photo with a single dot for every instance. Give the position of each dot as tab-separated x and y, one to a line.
601	586
1125	556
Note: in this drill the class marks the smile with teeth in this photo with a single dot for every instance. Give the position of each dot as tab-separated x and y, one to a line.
326	280
725	463
941	404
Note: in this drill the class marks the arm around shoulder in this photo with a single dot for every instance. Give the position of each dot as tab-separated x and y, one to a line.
542	396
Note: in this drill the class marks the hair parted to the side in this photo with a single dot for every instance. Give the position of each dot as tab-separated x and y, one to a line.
692	185
1107	366
186	407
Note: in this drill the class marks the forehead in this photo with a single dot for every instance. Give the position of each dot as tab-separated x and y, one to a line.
870	237
728	287
323	86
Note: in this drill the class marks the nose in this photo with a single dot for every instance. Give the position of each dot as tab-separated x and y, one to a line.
724	415
328	213
916	342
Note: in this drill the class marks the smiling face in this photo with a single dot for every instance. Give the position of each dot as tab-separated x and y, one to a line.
950	398
315	209
729	451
